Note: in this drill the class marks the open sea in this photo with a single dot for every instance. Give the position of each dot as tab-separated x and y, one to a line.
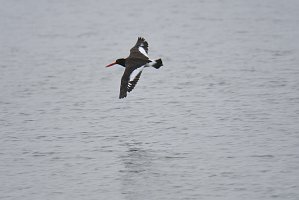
219	121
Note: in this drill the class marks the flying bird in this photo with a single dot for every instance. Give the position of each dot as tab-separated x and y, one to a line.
134	64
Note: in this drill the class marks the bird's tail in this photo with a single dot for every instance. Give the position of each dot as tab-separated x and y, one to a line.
156	63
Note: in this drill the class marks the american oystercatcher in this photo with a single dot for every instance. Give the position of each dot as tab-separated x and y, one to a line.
134	64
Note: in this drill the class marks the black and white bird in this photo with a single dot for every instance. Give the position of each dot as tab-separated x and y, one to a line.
134	64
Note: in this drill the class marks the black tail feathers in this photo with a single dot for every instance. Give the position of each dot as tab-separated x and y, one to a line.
158	63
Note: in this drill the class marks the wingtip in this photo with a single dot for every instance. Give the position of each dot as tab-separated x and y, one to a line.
121	96
141	38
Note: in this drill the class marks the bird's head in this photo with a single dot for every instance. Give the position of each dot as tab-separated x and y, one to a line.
120	61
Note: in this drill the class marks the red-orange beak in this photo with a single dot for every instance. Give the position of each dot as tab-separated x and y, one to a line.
111	64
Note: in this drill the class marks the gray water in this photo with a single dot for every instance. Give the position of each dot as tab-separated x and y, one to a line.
220	119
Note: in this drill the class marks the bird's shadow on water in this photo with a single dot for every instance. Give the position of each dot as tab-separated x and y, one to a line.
138	171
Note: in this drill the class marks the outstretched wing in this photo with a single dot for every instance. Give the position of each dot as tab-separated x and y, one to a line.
140	50
129	81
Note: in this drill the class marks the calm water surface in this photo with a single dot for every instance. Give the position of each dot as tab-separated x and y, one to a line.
220	120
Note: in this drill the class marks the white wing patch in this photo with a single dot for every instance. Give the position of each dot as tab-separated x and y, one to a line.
136	72
141	49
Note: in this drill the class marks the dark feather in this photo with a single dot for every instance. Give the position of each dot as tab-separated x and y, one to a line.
123	89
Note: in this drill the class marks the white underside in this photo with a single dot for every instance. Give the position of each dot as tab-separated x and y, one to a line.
150	64
136	71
